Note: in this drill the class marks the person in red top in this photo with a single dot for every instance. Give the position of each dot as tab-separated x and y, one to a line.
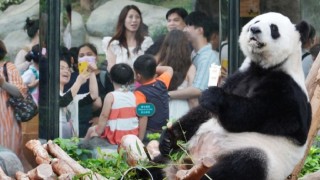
118	116
152	90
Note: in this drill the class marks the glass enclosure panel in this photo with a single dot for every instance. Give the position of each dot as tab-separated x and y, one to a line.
310	13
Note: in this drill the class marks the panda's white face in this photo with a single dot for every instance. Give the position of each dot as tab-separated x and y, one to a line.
269	39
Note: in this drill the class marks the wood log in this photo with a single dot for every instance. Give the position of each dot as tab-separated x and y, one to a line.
314	128
134	149
59	153
66	177
60	167
3	175
42	171
39	151
197	171
22	176
311	80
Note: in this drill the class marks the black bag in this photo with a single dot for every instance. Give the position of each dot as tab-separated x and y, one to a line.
24	108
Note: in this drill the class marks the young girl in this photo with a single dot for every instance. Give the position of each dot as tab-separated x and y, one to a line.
30	77
118	116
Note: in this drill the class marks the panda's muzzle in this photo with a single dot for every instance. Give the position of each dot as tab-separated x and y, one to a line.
257	43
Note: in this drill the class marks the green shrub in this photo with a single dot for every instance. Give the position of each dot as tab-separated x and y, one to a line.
6	3
312	162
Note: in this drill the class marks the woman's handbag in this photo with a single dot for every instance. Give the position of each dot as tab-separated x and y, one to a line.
24	108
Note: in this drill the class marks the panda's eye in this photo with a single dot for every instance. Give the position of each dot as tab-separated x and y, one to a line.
274	31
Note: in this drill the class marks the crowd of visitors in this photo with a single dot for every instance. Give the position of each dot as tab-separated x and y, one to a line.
169	72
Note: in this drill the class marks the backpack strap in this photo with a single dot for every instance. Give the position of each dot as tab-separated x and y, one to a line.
5	72
102	76
305	55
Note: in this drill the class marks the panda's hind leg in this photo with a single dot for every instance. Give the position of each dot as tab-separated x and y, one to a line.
244	164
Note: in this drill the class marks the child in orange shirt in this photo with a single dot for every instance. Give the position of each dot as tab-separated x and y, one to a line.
152	90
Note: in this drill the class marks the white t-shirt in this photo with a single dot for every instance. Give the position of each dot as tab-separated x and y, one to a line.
69	117
121	52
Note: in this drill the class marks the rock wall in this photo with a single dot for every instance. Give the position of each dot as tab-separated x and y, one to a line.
100	23
12	21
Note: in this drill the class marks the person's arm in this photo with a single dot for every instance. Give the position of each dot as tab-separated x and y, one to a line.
186	93
165	74
106	109
111	58
81	79
11	89
93	84
193	102
143	121
164	69
20	61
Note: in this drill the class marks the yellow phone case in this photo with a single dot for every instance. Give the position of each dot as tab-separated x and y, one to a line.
83	66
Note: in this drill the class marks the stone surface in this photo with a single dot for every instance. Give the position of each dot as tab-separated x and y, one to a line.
9	162
78	30
97	42
15	41
103	20
18	15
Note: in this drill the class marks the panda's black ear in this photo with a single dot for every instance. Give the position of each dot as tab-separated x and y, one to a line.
303	28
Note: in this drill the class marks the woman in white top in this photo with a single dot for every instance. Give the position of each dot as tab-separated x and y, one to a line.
175	52
129	40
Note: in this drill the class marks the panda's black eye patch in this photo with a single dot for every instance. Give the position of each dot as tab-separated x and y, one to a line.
274	31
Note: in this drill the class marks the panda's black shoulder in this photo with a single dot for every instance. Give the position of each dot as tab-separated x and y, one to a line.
266	81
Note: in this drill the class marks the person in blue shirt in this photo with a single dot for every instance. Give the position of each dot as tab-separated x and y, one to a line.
199	30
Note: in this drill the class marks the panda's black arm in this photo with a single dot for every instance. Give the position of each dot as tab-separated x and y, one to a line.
273	111
183	129
188	124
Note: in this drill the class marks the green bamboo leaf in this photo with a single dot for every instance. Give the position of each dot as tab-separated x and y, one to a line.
138	148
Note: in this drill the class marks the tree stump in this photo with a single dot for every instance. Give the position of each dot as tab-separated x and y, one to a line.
313	81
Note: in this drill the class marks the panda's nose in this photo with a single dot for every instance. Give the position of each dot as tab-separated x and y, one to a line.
255	30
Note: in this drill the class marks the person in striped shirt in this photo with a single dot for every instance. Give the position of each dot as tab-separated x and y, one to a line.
118	116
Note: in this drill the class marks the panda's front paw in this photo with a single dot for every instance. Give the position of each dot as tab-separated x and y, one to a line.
212	98
166	142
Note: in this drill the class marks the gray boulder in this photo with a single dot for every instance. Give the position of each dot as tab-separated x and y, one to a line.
15	41
9	162
78	30
14	17
97	42
103	20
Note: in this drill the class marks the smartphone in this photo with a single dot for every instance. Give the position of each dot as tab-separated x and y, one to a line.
83	66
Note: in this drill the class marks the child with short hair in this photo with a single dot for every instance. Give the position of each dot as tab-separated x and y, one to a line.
152	90
118	115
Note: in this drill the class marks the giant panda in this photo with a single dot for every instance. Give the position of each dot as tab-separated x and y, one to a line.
255	126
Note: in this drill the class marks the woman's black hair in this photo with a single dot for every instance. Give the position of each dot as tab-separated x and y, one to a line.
32	27
65	55
89	45
34	54
122	74
3	50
